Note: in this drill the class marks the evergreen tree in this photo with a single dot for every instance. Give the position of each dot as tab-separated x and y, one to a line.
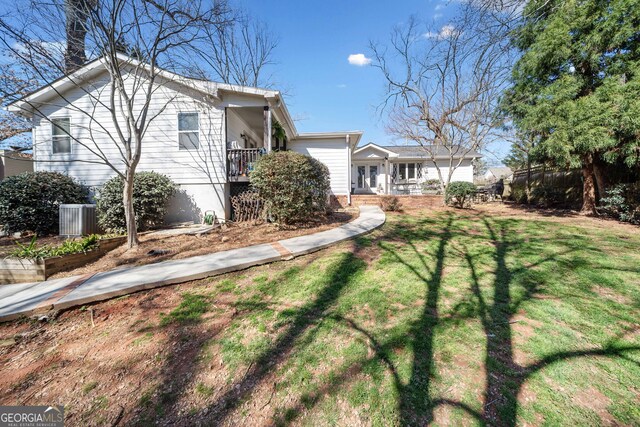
577	85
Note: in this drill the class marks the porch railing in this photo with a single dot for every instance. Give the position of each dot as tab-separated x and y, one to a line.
242	161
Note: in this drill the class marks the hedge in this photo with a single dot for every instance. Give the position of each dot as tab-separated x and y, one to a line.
31	201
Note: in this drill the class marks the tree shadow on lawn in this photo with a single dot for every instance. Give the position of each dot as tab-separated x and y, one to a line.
415	403
504	377
182	366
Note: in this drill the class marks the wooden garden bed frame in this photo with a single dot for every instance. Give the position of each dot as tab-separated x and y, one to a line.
20	270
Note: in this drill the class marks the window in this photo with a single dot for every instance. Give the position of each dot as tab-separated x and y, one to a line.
402	171
188	131
411	170
373	176
361	172
61	136
407	171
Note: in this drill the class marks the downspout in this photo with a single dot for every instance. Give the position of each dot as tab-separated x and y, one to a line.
348	140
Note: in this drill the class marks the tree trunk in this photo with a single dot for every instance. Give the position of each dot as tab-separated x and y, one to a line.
528	183
129	213
588	187
601	182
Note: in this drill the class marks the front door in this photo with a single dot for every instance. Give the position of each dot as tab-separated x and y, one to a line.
367	178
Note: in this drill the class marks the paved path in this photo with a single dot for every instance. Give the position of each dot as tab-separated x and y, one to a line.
28	298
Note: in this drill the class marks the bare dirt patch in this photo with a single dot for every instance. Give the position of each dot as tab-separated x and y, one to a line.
611	295
229	237
130	366
592	398
511	210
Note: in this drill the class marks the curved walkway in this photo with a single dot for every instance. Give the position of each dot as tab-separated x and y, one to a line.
28	298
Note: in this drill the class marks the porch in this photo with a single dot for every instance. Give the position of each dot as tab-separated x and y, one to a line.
388	177
251	132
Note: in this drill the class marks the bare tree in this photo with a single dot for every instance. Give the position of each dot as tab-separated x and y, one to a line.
240	52
136	42
14	84
443	85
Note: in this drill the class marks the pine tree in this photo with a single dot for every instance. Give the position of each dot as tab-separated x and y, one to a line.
577	85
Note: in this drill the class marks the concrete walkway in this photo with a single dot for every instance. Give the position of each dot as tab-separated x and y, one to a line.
28	298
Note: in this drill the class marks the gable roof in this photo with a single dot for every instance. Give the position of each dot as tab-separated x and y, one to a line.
500	171
418	151
375	147
439	151
25	105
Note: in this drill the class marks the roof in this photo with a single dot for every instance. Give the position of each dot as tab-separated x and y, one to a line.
500	171
354	136
439	151
24	106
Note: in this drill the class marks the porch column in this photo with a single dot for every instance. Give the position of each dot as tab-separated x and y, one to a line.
386	176
267	128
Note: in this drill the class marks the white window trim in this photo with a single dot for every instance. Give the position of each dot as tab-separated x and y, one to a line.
71	144
405	166
188	131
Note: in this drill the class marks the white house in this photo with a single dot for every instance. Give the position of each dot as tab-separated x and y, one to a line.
494	174
380	169
205	136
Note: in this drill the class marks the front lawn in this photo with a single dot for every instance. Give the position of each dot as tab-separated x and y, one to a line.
456	317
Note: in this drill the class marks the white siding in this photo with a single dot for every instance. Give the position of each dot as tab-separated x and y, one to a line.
201	173
334	153
464	172
92	128
236	126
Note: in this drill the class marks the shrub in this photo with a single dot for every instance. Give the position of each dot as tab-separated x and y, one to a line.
431	186
151	192
390	204
459	194
32	250
548	195
292	185
31	201
622	201
518	195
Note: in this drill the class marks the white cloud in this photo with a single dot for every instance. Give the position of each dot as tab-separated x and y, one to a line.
437	15
439	6
444	33
341	86
359	59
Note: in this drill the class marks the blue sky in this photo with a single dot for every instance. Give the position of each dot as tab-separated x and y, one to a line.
315	40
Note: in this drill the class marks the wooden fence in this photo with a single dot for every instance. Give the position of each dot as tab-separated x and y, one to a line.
565	185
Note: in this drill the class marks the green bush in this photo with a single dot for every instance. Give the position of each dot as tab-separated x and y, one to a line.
459	194
293	186
32	250
518	195
31	201
622	201
151	192
548	195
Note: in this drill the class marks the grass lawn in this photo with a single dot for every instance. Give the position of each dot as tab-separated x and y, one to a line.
451	317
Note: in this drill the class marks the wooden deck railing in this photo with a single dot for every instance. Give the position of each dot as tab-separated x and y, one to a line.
241	161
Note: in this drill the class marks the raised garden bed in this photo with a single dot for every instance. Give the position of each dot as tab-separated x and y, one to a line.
19	270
